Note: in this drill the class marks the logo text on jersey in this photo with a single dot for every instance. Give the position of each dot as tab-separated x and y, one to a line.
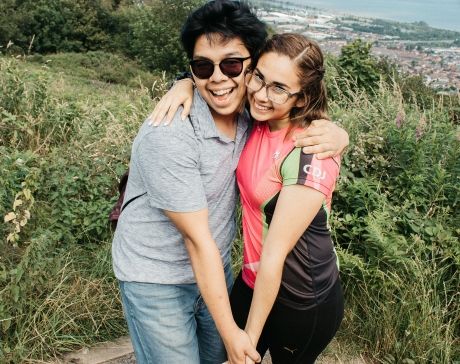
314	171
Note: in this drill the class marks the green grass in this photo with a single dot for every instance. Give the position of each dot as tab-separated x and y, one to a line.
66	138
97	66
395	220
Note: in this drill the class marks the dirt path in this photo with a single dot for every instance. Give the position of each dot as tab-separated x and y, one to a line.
328	358
120	352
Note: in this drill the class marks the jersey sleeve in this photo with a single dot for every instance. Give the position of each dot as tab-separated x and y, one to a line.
168	161
305	169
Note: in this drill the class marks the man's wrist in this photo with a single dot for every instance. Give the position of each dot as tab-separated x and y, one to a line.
229	330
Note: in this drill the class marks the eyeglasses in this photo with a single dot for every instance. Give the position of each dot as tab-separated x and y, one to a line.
230	67
276	94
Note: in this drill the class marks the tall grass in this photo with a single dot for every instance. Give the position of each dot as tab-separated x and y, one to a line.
66	136
396	223
65	139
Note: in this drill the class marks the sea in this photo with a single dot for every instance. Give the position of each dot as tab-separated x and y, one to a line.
442	14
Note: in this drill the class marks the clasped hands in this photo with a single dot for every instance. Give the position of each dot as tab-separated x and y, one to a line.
240	348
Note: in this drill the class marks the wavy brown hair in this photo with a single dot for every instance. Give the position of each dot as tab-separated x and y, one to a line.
309	60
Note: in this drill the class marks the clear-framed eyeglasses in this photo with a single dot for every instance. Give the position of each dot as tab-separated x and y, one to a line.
275	93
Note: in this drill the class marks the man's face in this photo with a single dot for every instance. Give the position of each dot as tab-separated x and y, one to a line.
222	93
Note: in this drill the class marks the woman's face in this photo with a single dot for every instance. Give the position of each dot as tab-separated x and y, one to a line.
278	72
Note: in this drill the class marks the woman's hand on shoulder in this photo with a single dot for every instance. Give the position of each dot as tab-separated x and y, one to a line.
180	94
323	138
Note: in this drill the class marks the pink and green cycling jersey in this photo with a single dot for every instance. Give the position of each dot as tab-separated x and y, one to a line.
268	162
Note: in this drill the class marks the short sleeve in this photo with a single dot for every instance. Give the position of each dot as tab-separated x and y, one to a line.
168	160
306	169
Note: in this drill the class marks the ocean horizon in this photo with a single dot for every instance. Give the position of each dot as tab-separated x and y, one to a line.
442	14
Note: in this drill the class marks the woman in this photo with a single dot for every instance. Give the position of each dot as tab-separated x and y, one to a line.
288	296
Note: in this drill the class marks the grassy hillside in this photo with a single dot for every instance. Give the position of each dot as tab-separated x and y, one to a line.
67	122
65	139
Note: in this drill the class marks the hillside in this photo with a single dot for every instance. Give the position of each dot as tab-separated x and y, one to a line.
65	140
67	122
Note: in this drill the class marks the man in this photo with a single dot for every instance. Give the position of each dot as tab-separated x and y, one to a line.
171	250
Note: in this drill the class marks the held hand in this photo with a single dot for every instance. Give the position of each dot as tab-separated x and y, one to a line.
180	94
249	360
254	340
239	347
323	138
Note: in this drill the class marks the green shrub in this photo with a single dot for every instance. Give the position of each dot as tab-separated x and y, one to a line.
101	66
152	34
357	65
395	220
147	32
56	25
60	155
56	298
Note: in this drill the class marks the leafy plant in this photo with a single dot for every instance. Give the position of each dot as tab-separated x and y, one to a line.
56	25
358	66
63	147
153	32
395	223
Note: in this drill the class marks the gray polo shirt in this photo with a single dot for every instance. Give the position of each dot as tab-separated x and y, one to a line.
184	167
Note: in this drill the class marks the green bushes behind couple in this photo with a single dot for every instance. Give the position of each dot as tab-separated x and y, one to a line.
146	31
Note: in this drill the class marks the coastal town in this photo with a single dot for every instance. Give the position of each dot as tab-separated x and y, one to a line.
438	62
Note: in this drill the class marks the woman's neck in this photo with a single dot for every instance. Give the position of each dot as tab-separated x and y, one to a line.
275	125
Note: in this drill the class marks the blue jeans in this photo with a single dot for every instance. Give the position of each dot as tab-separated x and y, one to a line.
171	323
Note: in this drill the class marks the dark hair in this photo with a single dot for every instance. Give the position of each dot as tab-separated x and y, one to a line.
307	56
228	19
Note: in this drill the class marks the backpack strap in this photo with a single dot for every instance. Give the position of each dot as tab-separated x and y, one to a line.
131	200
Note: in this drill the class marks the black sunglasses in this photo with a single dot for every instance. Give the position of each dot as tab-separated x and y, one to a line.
230	67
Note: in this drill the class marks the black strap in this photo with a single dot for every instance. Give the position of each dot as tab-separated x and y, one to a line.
131	200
